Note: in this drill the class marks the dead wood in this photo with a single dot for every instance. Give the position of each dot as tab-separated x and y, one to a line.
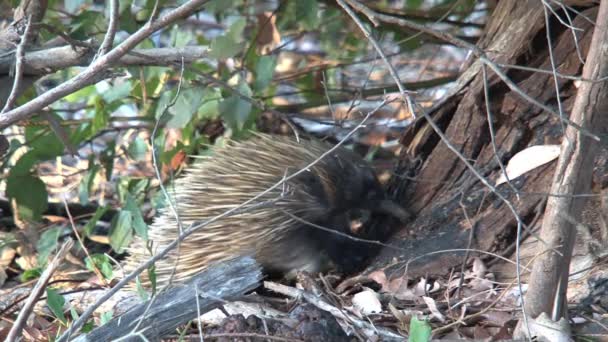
164	313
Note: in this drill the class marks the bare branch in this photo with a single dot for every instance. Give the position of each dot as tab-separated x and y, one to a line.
47	61
91	73
37	291
20	56
108	39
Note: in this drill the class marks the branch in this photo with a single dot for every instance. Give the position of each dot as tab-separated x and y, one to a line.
47	61
37	291
336	312
19	56
92	73
108	40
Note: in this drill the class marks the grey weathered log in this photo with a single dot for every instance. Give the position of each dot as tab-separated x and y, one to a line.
178	305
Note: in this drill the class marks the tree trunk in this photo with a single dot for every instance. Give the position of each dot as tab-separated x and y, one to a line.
549	279
443	187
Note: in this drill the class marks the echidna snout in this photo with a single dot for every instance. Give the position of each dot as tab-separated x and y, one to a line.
301	226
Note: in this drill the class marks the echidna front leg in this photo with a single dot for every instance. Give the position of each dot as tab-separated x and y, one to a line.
292	253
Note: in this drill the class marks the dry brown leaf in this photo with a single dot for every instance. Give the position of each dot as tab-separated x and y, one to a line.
479	333
7	254
403	319
499	318
268	36
430	303
380	277
178	159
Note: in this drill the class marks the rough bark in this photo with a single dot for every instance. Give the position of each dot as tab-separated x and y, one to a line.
573	175
443	186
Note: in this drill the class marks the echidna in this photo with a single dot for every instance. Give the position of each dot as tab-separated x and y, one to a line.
340	192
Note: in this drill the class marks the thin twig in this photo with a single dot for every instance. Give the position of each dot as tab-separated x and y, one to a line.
81	243
19	65
486	95
321	304
92	73
156	167
15	332
558	96
108	39
475	50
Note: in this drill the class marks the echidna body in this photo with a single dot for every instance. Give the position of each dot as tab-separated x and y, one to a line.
339	190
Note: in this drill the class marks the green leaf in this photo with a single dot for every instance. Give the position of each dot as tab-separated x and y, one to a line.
121	232
236	30
224	47
71	6
105	317
8	240
107	159
185	106
88	228
140	227
73	313
236	110
231	43
55	302
101	118
152	276
138	187
83	93
128	20
85	23
412	4
47	244
220	6
80	133
264	71
86	184
180	37
307	12
420	330
31	274
165	99
102	262
44	143
117	91
23	166
209	108
87	327
141	290
137	149
30	194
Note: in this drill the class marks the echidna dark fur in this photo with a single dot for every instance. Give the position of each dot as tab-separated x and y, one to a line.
340	192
